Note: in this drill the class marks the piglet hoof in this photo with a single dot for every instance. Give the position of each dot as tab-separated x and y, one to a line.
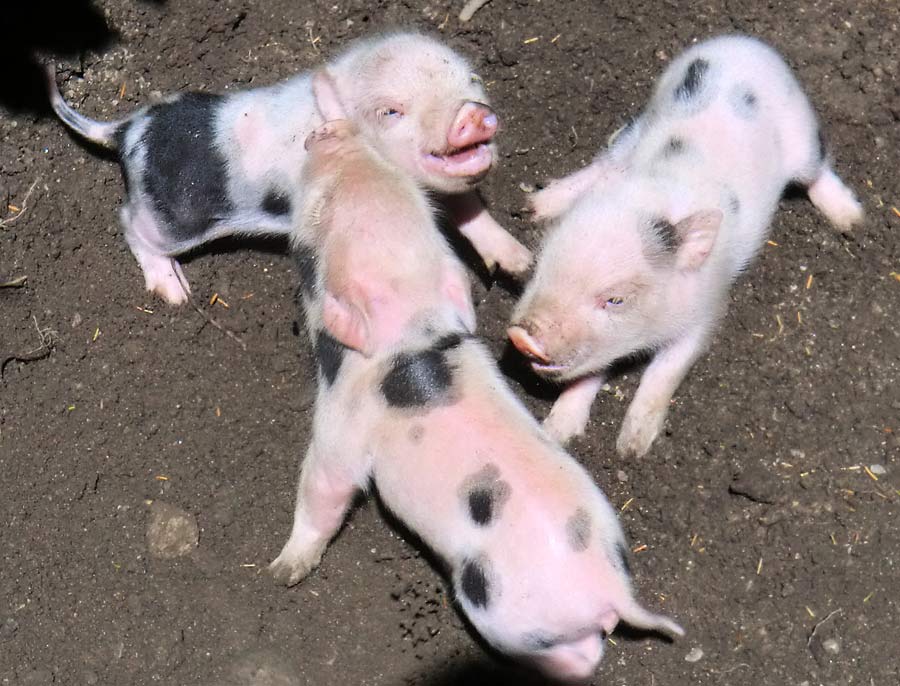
165	278
550	202
289	570
564	425
638	433
515	258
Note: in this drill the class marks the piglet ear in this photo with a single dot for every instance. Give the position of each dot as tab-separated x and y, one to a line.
346	323
697	235
455	287
328	102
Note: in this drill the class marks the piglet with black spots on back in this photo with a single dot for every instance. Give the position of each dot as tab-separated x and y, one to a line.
409	401
198	166
650	236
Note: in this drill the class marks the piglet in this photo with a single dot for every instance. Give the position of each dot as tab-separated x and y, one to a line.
649	237
199	166
533	549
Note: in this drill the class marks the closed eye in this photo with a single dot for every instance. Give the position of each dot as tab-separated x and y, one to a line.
612	301
389	112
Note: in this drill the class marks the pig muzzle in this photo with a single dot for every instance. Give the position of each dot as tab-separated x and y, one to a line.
474	123
469	153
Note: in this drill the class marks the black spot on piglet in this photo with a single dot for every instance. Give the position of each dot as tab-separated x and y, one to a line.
693	80
667	234
420	378
481	506
578	530
276	203
484	494
474	584
674	146
330	355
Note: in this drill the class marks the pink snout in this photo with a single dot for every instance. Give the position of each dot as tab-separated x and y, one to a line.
474	123
527	345
572	662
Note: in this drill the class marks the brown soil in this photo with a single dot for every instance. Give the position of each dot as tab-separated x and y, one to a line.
760	529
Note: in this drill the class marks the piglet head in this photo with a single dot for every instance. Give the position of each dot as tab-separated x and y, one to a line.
614	277
423	107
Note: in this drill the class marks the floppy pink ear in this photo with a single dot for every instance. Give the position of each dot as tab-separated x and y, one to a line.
325	92
346	323
455	287
697	235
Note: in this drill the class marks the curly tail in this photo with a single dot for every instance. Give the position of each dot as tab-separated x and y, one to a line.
102	133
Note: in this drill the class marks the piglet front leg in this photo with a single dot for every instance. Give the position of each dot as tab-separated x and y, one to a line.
323	496
647	413
494	244
570	413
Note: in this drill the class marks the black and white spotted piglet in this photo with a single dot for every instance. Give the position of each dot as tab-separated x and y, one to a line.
534	549
199	166
651	235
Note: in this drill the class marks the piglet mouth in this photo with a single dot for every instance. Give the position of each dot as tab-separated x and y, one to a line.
470	161
548	368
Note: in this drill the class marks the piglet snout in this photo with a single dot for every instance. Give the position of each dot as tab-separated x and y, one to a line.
573	662
474	123
526	344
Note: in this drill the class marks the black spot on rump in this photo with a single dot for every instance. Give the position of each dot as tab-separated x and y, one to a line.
578	530
276	203
418	379
692	83
622	562
185	174
481	506
305	259
330	355
474	584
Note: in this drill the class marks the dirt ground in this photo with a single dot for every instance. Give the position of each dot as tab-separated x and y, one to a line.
766	519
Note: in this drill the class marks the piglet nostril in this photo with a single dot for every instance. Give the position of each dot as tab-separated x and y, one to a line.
526	344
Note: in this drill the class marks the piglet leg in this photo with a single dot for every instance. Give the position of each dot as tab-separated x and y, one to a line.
162	274
494	244
570	413
647	413
325	491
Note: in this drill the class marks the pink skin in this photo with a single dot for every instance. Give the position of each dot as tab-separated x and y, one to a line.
469	153
649	237
550	527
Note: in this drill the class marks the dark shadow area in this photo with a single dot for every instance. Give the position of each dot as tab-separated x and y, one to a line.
38	30
461	245
514	366
479	672
268	244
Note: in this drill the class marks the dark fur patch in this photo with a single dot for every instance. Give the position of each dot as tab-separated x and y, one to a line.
539	640
578	530
276	203
734	203
185	174
674	146
484	494
744	101
419	378
305	259
750	99
474	584
692	83
330	355
667	234
623	563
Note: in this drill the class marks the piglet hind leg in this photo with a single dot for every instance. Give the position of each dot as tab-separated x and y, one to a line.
162	274
324	494
570	413
495	245
646	415
834	199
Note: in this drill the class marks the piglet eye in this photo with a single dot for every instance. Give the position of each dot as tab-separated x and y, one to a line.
475	78
615	300
390	112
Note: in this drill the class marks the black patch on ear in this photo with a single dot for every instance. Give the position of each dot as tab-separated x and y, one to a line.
667	234
692	83
417	379
484	494
276	203
623	563
474	584
185	174
330	355
578	530
823	148
674	146
305	259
